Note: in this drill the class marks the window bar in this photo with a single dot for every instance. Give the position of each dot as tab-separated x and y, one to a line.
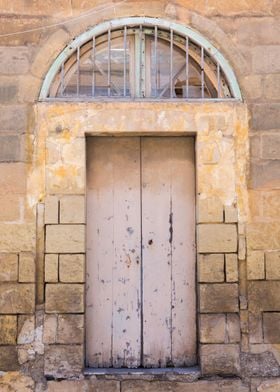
93	65
78	71
219	80
202	72
187	67
124	60
142	62
156	60
62	80
171	63
109	63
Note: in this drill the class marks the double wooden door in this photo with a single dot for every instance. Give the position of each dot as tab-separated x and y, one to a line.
140	252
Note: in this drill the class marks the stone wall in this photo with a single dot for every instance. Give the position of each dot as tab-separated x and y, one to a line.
239	243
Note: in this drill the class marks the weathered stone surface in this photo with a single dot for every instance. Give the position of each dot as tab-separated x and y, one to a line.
24	241
271	204
265	116
8	358
13	118
62	361
231	268
255	265
17	298
211	268
220	359
271	146
8	267
65	238
12	178
269	386
163	386
8	330
26	267
50	328
231	214
233	328
212	328
272	264
13	208
51	209
210	210
266	59
10	150
272	86
14	60
26	327
217	238
259	365
70	328
271	327
72	268
51	268
217	298
264	296
265	174
16	382
64	298
259	235
104	385
72	209
69	386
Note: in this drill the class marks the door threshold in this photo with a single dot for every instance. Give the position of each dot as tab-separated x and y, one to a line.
188	374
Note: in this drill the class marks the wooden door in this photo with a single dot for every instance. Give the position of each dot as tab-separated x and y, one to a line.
140	252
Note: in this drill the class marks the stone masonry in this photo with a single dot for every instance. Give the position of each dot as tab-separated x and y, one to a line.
42	195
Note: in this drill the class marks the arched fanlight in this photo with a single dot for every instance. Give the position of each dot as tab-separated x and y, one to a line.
140	58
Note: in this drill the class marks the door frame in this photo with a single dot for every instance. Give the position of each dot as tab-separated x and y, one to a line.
57	172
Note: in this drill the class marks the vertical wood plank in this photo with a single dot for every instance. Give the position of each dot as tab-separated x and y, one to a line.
183	253
156	252
113	254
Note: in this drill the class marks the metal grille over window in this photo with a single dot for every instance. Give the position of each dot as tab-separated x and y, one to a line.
138	62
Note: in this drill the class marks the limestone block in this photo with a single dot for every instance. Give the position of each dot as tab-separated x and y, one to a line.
8	330
210	210
255	327
241	247
16	381
69	386
26	327
265	116
272	86
164	386
217	238
10	150
269	386
63	361
72	268
104	385
51	209
231	214
70	328
13	207
26	267
65	238
12	177
272	264
233	328
255	265
266	59
271	204
8	267
263	235
231	268
212	328
50	328
264	296
72	209
271	327
23	241
220	359
271	146
211	268
218	297
17	298
8	359
51	268
64	298
13	118
14	60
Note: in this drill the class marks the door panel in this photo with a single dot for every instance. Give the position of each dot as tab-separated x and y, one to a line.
113	253
140	252
168	235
